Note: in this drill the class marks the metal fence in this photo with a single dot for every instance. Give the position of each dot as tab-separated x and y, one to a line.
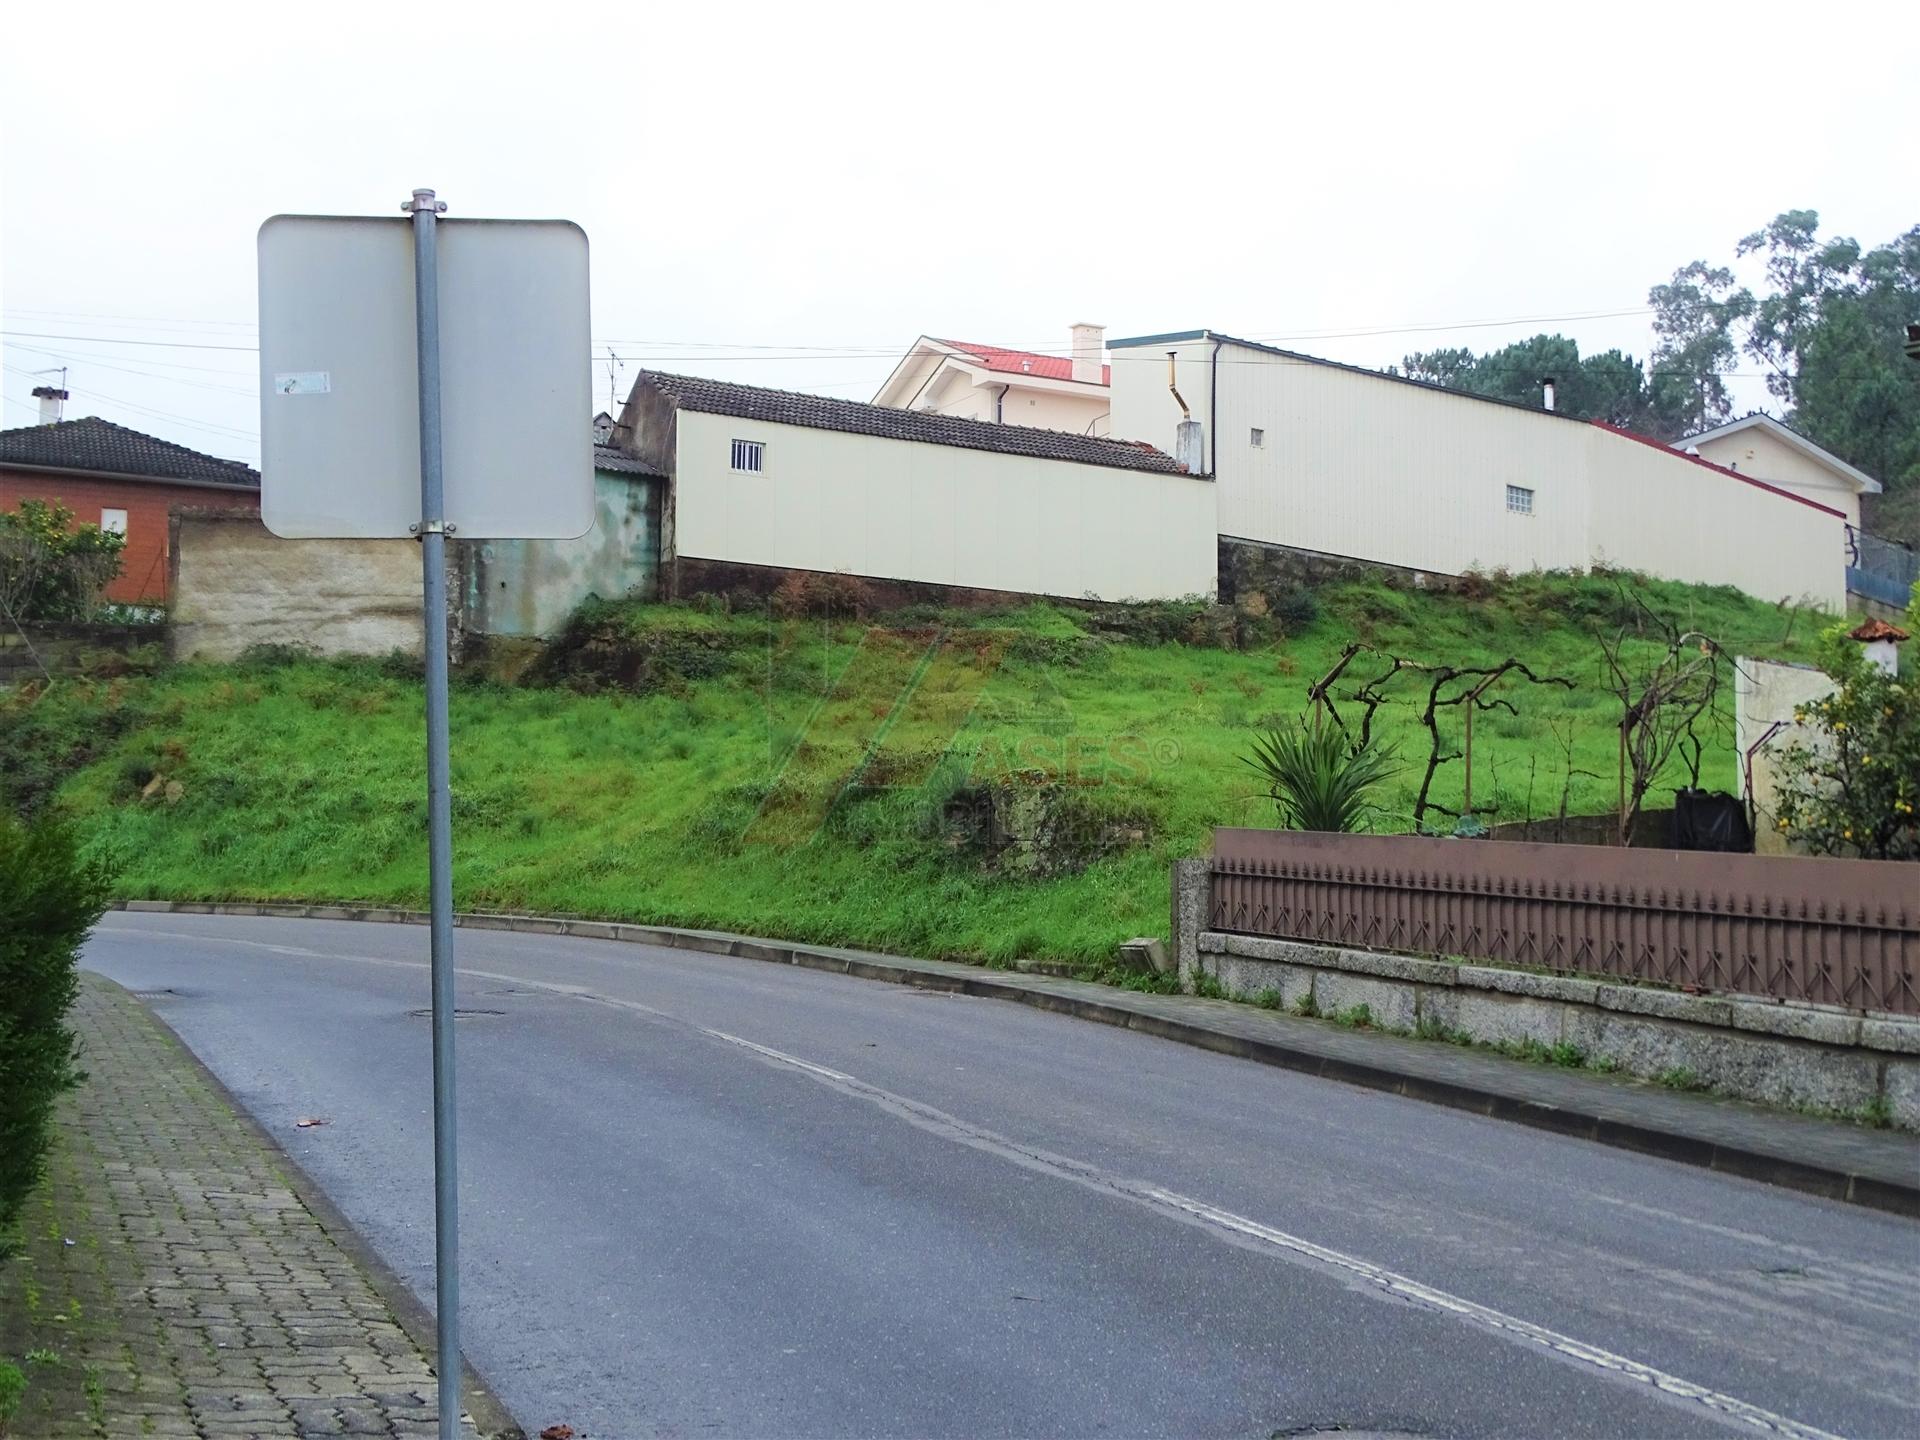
1880	569
1838	932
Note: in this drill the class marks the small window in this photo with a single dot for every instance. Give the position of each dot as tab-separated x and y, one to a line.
1519	499
1259	439
113	522
749	456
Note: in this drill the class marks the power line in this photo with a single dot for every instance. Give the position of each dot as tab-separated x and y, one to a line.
115	340
145	374
890	350
230	431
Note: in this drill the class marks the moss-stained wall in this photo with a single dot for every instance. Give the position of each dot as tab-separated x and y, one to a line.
529	587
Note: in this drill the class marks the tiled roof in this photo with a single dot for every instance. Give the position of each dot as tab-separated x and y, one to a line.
1024	362
618	462
101	445
1878	629
821	412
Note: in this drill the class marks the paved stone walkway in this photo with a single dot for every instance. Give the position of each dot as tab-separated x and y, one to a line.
175	1284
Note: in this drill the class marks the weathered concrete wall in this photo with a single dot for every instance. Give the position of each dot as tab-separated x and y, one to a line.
235	586
1765	693
529	587
1781	1054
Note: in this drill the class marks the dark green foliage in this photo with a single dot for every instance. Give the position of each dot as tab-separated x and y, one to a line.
608	645
46	736
1609	386
49	898
1319	779
1853	786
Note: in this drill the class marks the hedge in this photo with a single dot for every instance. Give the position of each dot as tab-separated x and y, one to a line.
49	899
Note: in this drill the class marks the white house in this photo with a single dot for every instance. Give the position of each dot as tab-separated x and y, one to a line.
1007	387
1760	446
1309	454
762	482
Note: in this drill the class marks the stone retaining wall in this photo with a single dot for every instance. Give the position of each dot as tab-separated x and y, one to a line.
1777	1052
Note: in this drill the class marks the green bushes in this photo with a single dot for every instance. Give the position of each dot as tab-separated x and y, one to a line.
49	898
51	569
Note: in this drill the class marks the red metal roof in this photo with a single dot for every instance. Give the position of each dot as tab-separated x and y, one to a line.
1024	362
1722	469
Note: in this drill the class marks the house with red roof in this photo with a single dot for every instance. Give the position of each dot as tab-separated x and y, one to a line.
125	481
1047	390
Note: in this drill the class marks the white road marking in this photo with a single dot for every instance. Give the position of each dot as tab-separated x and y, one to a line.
1169	1202
781	1056
1562	1346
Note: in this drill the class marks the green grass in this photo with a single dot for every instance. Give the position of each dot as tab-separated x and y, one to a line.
713	788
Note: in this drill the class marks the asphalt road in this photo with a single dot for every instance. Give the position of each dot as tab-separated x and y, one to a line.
706	1196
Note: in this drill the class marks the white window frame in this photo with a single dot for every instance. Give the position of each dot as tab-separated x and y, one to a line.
1519	500
112	521
749	457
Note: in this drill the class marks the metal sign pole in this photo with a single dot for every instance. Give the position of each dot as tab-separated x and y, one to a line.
425	209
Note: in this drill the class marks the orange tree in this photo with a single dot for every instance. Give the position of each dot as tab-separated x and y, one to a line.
51	569
1853	787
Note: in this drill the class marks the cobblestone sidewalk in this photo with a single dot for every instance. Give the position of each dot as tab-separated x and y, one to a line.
174	1283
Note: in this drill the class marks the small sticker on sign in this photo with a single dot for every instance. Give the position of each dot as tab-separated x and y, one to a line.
303	382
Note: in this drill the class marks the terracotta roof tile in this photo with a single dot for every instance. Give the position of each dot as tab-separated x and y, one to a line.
1024	362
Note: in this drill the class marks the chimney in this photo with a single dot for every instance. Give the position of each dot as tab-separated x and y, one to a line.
1881	643
1546	393
1088	343
51	398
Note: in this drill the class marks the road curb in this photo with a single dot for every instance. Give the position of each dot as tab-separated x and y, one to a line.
1871	1191
489	1416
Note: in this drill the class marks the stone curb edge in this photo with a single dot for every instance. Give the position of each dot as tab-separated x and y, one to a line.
1870	1191
489	1416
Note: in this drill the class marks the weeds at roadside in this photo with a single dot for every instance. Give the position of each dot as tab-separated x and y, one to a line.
1680	1077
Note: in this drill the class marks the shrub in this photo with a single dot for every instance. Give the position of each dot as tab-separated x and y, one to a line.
49	898
51	569
1855	788
809	593
1319	779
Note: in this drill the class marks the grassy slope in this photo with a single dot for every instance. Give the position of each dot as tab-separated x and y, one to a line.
303	779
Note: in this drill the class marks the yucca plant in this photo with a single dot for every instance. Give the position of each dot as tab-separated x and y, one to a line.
1319	779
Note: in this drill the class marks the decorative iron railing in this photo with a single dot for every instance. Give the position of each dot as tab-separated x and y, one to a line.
1835	932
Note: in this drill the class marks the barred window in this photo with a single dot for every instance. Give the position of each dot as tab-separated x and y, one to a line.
749	456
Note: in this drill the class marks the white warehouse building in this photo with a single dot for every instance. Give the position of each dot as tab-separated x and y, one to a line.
1313	455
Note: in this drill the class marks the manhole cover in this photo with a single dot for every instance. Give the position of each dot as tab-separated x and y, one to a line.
461	1014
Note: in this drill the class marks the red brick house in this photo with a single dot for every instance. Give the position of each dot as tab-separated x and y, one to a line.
120	479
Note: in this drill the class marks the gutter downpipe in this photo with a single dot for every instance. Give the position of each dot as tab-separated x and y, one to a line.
1000	404
1213	408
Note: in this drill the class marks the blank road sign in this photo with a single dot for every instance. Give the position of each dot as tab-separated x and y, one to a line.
339	378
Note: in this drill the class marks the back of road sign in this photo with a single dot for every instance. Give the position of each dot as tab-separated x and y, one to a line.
340	419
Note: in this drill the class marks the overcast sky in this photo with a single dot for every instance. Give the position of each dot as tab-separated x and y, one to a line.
789	194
